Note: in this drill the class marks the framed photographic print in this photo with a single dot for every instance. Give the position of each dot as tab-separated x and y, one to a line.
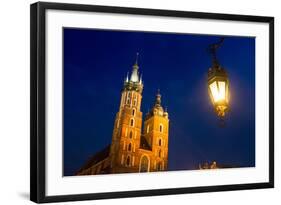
129	102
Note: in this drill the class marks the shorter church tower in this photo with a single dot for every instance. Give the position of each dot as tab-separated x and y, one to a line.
156	133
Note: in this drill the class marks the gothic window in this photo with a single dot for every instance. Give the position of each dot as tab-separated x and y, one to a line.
122	159
144	164
159	153
132	122
133	112
128	98
130	147
160	142
128	161
135	102
131	135
159	166
161	128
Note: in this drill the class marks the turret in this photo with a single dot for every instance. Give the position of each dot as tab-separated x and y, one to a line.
156	133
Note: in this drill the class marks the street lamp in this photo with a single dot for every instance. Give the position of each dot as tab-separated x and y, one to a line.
218	83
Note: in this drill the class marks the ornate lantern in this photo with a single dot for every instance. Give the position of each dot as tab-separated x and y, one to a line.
218	84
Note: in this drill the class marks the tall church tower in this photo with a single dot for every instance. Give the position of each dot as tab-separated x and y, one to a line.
156	133
127	127
134	149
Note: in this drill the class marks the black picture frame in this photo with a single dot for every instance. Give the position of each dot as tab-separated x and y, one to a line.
38	103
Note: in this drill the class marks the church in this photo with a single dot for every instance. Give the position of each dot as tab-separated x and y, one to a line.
136	146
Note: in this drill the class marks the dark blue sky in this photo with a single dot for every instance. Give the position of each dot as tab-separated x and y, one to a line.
96	62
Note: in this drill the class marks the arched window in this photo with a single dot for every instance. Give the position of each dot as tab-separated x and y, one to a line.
160	142
147	129
135	100
128	98
128	161
131	135
159	153
132	122
133	112
144	164
159	166
130	147
161	128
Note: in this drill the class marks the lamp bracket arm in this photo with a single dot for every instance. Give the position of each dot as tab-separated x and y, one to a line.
213	51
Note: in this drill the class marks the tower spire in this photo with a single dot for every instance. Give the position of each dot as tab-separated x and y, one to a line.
158	99
137	58
127	77
141	79
135	72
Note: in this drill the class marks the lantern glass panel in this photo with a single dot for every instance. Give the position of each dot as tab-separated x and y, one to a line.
218	91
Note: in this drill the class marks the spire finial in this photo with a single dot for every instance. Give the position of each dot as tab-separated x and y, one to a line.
158	98
140	79
137	57
135	73
127	77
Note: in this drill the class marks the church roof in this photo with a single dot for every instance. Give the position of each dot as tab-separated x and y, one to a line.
99	156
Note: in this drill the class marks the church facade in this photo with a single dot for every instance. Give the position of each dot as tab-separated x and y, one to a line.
137	145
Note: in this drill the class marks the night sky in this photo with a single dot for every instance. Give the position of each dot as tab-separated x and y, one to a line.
96	63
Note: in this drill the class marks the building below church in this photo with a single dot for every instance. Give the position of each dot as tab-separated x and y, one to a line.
136	146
